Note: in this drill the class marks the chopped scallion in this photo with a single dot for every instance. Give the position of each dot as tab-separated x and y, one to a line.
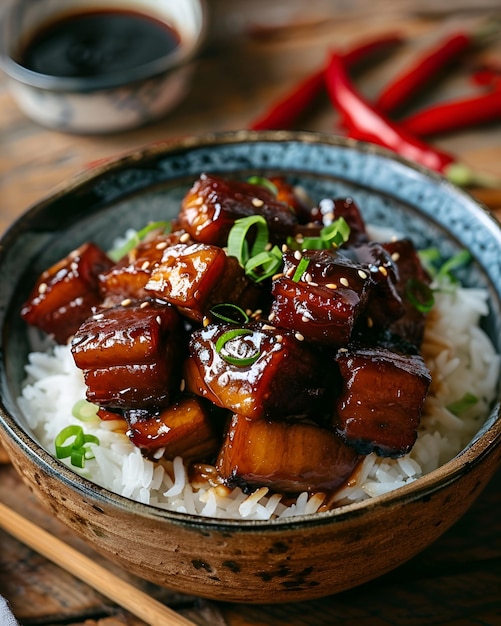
419	295
84	410
231	313
137	237
462	405
71	442
243	360
301	268
263	182
238	245
268	262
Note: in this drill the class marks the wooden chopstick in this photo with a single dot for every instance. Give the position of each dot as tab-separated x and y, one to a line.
119	591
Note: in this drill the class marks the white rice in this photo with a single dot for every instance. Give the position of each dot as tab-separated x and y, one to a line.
458	353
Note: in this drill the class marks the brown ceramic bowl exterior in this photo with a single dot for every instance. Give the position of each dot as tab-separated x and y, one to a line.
248	561
265	562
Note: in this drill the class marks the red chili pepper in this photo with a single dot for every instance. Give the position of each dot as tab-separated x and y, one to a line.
488	75
455	114
365	123
283	114
427	66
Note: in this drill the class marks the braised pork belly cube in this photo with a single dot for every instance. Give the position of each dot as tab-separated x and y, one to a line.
331	209
296	198
324	303
65	294
385	304
380	404
128	277
195	277
185	428
288	457
211	206
256	371
130	355
412	286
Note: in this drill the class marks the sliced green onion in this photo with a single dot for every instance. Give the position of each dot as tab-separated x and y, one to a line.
429	257
331	236
459	259
263	182
419	295
137	237
238	246
69	438
336	233
71	442
231	313
462	405
228	336
84	410
268	261
300	269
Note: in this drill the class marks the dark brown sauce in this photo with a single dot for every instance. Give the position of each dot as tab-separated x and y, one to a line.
98	43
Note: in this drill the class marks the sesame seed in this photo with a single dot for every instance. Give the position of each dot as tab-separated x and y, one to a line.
299	238
145	265
74	267
267	327
185	237
343	350
331	285
383	270
307	277
42	287
305	319
370	322
268	247
299	336
182	385
284	247
395	256
206	321
257	202
199	200
276	276
328	216
143	305
290	272
98	316
362	274
297	255
279	338
126	302
344	282
161	245
271	316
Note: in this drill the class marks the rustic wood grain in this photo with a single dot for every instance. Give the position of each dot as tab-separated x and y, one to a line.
246	64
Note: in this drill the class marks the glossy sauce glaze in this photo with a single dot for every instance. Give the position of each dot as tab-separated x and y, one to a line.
97	43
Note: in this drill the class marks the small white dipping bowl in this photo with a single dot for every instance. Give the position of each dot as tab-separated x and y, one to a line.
110	102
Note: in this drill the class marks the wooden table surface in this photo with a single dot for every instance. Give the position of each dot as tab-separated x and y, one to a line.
254	52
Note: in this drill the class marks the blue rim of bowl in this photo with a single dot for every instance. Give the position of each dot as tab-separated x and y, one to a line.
483	445
178	58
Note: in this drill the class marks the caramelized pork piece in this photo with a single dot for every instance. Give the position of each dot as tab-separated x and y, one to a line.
412	278
296	198
332	209
128	277
287	457
256	371
130	355
211	206
325	301
65	294
195	277
379	407
185	428
385	304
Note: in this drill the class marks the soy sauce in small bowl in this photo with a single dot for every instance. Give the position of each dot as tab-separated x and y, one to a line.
92	67
96	43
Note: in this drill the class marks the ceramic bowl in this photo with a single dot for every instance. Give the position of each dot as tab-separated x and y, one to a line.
248	561
108	103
